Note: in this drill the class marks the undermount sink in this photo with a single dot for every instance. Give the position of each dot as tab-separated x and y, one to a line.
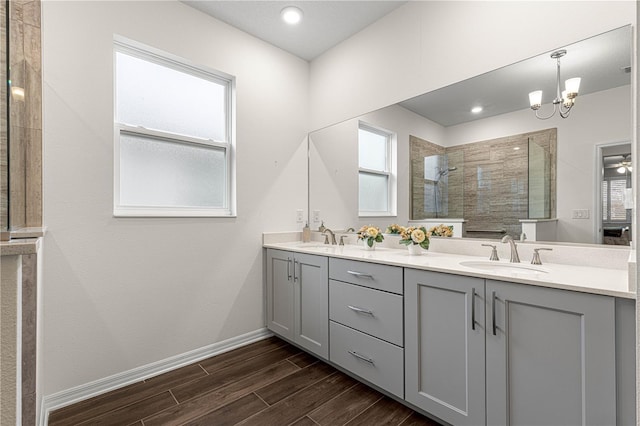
313	244
503	268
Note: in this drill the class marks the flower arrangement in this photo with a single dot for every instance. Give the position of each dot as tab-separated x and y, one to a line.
416	236
371	234
395	229
441	231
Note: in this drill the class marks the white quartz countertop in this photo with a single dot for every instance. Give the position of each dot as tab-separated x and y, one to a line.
595	280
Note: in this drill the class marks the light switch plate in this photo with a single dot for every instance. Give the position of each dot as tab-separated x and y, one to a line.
316	216
580	214
299	216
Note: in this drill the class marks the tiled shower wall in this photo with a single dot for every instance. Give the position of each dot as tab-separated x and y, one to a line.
490	188
25	115
4	188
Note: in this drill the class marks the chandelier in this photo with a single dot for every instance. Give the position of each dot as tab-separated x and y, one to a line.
564	100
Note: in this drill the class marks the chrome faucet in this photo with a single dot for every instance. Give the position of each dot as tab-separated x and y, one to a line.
536	256
494	252
514	249
333	236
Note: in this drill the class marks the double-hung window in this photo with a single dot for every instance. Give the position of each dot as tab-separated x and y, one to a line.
174	133
376	172
613	200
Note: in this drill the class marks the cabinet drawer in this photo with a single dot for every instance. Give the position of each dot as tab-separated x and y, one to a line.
380	277
371	311
374	360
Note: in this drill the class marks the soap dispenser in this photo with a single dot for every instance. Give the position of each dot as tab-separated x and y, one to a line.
306	233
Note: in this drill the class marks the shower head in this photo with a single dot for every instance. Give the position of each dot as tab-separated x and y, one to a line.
444	172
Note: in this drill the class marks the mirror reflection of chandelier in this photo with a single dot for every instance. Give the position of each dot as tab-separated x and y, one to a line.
564	100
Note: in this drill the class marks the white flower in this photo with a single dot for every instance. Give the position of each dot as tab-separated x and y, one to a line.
418	236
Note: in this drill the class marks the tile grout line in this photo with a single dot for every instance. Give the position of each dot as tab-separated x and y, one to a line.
289	396
203	369
247	359
340	394
231	400
405	419
360	413
294	364
260	398
174	397
242	378
314	422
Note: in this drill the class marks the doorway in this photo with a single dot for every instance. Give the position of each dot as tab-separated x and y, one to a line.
614	194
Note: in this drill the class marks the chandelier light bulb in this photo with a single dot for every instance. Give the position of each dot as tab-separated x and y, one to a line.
572	87
566	100
621	169
535	99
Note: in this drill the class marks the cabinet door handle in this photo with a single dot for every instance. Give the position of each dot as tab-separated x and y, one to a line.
362	357
493	312
295	262
360	310
473	309
289	268
360	274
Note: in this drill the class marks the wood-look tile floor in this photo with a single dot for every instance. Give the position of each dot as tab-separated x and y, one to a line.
269	382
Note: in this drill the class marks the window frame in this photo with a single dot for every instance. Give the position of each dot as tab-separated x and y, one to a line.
389	172
140	51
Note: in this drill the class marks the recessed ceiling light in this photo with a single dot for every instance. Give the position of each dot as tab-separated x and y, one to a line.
476	109
291	15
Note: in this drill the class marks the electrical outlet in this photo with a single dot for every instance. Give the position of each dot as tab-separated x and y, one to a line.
316	216
580	214
299	216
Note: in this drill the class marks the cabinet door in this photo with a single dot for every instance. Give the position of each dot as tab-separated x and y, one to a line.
444	346
280	293
550	356
311	283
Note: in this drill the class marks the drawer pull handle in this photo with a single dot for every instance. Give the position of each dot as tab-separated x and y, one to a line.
360	310
360	274
288	268
493	313
362	357
473	309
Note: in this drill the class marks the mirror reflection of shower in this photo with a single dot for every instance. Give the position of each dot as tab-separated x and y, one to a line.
436	184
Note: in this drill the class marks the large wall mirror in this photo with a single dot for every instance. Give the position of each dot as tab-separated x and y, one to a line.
502	169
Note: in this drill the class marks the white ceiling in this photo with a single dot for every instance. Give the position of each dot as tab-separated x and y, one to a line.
599	61
324	24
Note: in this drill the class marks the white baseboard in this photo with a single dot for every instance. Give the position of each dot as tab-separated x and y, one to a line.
107	384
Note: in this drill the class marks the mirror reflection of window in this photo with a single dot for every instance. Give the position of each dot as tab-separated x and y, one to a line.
375	171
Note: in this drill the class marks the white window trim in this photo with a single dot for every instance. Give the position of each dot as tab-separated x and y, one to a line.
150	54
390	172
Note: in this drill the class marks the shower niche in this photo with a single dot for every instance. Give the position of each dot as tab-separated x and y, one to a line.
492	185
